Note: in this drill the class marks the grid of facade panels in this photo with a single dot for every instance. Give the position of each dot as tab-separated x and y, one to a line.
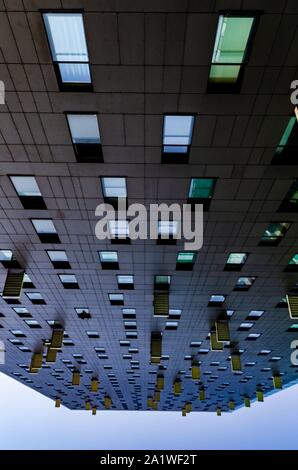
149	102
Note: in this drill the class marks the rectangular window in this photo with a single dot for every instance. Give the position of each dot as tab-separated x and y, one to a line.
128	313
293	264
28	191
244	283
171	325
130	325
69	281
27	283
286	152
125	281
274	233
36	298
67	41
59	259
8	260
18	333
185	260
235	261
162	282
201	191
234	33
290	202
108	259
22	312
245	326
177	136
114	188
85	137
116	299
167	232
92	334
45	230
175	313
83	313
216	300
253	336
32	323
255	314
119	231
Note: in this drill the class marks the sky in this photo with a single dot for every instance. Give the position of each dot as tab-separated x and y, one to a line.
30	421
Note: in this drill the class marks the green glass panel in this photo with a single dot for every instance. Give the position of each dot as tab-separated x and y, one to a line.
201	188
287	132
237	258
224	73
275	230
294	260
186	257
231	39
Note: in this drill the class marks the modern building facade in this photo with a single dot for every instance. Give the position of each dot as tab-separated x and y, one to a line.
153	102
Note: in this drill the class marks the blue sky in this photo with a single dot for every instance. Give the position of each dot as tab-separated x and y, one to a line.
30	421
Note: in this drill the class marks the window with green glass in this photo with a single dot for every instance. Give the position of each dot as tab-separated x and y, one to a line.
237	258
186	257
201	188
232	38
286	135
275	232
162	279
294	260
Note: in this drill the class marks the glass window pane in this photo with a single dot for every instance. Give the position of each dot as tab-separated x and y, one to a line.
275	230
114	187
25	185
119	228
108	256
84	128
178	130
43	225
5	255
116	296
294	260
124	279
231	39
57	255
186	257
217	298
75	73
168	227
287	133
34	295
67	278
66	37
162	279
224	73
201	188
237	258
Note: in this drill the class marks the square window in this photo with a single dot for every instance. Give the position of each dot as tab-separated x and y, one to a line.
66	36
85	137
69	281
119	231
116	299
45	230
8	260
244	283
162	282
274	233
125	281
177	136
28	192
59	259
109	259
235	261
168	232
201	191
233	35
36	298
185	260
293	264
114	188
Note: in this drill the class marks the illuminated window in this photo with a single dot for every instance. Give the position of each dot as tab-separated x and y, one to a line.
45	230
185	260
28	192
125	281
255	314
235	261
66	36
69	281
286	152
216	300
230	52
201	191
109	259
293	264
274	233
85	137
244	283
36	298
8	260
119	231
59	259
116	299
114	188
177	136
